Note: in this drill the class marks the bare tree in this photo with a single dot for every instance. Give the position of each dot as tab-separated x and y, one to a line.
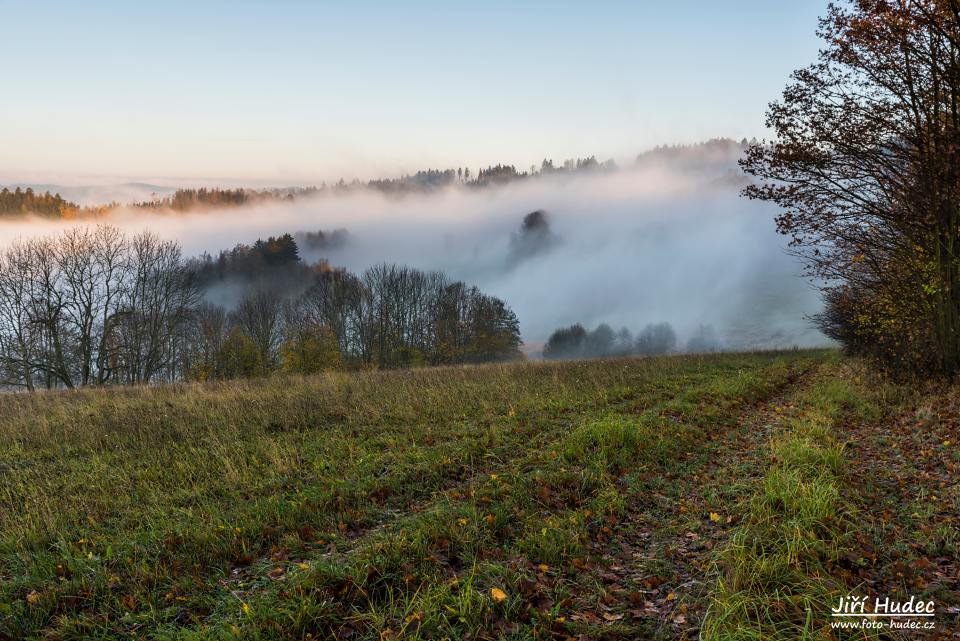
259	316
208	332
47	309
334	301
155	310
94	266
20	342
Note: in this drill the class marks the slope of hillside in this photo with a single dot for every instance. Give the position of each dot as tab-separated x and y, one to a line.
615	499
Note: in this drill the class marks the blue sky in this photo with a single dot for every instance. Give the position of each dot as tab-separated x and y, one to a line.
288	91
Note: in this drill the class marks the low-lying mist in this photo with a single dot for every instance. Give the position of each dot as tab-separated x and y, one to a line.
654	243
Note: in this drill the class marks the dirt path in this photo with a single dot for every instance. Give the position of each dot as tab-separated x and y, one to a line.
648	574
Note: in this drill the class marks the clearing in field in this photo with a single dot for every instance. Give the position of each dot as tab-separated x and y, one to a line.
728	496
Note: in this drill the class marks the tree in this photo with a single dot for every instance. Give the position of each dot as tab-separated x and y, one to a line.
866	167
624	345
210	327
704	340
280	250
20	339
566	343
336	301
96	267
90	306
258	315
656	339
600	342
240	356
535	237
494	330
155	311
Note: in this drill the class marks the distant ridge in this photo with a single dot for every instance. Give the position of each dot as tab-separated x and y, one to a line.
717	158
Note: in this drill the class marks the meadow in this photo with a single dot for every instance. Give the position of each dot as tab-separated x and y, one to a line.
730	496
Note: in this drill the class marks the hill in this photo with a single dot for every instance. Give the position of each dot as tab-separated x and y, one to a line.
716	159
612	499
98	195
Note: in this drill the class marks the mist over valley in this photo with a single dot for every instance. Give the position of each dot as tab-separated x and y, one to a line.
664	239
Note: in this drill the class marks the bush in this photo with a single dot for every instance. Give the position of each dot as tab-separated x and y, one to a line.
240	357
310	350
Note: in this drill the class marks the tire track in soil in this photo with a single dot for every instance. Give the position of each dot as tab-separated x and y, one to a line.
654	567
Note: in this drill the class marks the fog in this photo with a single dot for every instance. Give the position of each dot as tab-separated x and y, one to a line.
657	242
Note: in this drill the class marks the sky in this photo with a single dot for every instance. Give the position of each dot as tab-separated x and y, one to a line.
289	92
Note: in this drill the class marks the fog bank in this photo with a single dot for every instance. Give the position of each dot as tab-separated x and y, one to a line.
657	242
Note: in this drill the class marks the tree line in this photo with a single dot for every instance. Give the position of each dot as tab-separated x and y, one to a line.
93	306
388	317
212	198
654	339
21	202
865	165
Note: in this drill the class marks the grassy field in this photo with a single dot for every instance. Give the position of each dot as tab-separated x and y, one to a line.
724	497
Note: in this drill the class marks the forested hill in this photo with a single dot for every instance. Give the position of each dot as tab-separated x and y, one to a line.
719	155
26	202
215	198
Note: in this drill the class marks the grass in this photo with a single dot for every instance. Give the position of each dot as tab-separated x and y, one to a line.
525	501
776	578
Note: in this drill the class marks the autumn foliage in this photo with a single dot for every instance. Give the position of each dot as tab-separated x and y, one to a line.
866	167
